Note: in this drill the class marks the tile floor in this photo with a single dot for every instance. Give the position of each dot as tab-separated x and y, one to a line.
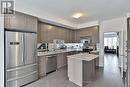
107	77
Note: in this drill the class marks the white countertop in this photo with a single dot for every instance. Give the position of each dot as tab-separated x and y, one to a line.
57	52
84	56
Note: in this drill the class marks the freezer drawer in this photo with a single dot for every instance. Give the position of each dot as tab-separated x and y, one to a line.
22	80
12	73
14	49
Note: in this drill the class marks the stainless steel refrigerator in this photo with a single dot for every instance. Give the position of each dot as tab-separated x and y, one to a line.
21	58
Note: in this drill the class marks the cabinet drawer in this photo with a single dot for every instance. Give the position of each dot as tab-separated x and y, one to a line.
42	66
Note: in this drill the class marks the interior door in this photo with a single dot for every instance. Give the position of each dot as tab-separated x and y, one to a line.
14	49
30	48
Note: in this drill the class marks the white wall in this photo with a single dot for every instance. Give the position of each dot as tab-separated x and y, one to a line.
118	25
89	24
128	15
1	51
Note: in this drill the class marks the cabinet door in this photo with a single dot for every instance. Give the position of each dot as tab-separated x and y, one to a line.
51	33
39	33
31	23
59	61
74	36
43	32
67	36
64	59
62	33
70	36
6	21
42	66
20	21
16	21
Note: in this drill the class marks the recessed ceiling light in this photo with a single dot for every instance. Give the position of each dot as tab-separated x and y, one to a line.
77	15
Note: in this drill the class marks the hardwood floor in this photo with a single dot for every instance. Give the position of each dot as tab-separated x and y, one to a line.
109	76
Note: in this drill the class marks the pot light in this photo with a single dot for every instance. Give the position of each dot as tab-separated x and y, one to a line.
77	15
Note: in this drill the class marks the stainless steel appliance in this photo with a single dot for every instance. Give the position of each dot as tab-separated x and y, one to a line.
21	58
43	46
51	61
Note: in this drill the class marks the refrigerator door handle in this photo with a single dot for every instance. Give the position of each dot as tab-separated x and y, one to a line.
22	67
14	43
35	50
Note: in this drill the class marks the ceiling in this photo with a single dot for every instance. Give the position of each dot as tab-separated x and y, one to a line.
92	9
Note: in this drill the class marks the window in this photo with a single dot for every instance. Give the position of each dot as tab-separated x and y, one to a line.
111	42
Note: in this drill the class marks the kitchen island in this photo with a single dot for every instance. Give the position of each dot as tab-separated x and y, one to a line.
81	68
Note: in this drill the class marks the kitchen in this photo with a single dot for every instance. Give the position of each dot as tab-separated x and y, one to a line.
37	51
57	44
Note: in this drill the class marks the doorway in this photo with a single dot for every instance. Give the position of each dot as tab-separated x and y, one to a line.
113	61
111	43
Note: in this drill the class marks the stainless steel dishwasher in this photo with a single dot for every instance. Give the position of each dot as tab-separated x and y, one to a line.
51	62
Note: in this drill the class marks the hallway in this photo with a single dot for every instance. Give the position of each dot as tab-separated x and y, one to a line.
107	77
